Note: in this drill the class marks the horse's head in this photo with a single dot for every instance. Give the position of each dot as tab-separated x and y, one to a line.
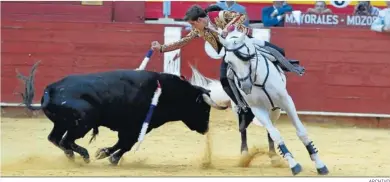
240	50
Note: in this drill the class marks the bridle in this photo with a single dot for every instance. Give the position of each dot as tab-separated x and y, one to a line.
247	58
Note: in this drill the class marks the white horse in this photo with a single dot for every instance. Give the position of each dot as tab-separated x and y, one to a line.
263	86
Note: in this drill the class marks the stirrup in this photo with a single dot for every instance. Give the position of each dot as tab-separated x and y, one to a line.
241	110
294	62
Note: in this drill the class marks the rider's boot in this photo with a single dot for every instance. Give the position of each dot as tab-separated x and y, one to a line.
286	65
268	44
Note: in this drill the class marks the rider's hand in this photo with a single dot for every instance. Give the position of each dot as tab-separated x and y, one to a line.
227	30
156	46
224	33
231	28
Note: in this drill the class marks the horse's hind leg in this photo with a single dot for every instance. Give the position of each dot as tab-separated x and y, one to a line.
242	125
263	116
289	106
244	143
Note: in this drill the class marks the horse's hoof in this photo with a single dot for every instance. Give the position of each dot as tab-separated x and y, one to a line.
101	153
323	171
244	153
296	169
114	160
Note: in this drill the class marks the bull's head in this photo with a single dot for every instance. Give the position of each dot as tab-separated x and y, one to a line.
199	117
207	99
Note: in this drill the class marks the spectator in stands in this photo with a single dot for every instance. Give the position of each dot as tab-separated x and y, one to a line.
234	6
365	8
319	8
273	16
382	22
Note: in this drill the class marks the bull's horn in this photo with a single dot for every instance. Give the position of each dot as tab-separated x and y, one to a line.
210	102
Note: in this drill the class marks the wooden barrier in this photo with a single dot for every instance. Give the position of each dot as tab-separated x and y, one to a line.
56	11
66	48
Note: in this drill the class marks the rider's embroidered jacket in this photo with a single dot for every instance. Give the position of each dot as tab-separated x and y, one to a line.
218	19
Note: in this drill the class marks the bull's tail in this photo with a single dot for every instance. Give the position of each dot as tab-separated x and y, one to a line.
95	132
29	91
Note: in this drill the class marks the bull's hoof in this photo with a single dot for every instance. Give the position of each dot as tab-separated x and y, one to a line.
323	171
86	160
69	154
114	160
296	169
101	153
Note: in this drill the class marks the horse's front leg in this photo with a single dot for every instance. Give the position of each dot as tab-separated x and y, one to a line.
271	146
301	132
276	161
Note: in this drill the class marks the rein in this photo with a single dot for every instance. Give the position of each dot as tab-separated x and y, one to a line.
249	58
249	76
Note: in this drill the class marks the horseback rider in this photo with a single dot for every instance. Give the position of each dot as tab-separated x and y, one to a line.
204	23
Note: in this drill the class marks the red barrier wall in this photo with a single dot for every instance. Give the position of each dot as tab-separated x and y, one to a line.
56	11
74	11
66	48
129	11
347	69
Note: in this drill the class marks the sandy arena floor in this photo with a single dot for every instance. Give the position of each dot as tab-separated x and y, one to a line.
174	150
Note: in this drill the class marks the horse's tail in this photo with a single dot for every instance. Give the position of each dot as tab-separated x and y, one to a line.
217	93
29	91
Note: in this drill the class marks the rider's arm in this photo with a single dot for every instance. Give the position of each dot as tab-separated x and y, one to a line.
180	43
237	19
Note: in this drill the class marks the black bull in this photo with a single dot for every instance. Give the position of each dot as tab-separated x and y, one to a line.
118	100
